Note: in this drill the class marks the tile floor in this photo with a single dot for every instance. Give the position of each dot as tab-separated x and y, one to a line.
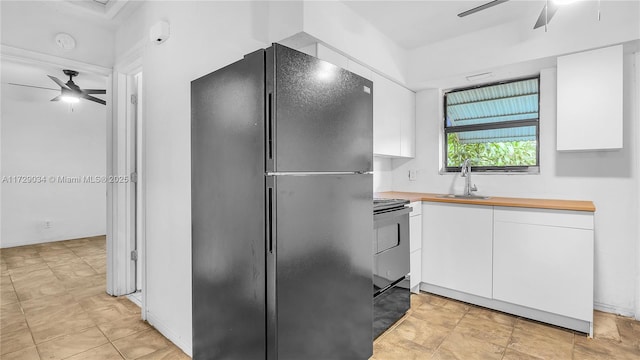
441	328
53	306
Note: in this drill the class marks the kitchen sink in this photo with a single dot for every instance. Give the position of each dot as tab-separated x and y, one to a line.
471	197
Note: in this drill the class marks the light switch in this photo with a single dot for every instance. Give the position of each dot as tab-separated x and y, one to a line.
413	174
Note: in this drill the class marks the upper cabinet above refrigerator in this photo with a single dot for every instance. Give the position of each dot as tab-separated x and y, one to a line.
320	116
394	115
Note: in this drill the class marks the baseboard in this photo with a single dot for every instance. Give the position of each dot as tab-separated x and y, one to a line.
585	326
613	309
169	334
5	244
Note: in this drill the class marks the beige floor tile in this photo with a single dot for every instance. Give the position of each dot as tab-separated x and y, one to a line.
12	323
45	286
55	258
168	353
433	299
120	328
18	261
47	303
629	330
88	250
103	352
97	262
72	344
80	293
10	309
463	347
511	354
544	329
595	349
387	350
438	315
605	326
14	341
7	292
73	271
30	272
485	330
58	321
457	306
141	344
422	333
56	245
30	353
85	282
541	342
492	315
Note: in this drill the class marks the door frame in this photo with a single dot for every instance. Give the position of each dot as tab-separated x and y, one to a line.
126	155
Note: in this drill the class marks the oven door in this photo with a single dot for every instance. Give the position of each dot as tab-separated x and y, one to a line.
390	248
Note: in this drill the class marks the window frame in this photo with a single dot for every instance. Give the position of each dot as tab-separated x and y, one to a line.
496	125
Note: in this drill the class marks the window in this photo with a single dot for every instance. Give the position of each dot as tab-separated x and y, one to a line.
495	125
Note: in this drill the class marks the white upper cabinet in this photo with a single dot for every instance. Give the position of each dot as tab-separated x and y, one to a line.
590	100
394	108
394	118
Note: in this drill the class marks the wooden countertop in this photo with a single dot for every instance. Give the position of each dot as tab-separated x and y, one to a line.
555	204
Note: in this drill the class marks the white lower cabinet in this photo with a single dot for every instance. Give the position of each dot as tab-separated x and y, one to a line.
543	259
415	236
456	247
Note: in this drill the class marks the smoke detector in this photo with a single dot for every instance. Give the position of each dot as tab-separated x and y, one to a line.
65	41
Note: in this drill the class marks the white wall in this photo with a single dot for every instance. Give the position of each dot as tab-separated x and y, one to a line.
382	174
609	179
205	36
45	138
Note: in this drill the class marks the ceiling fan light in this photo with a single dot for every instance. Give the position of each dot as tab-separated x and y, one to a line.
69	99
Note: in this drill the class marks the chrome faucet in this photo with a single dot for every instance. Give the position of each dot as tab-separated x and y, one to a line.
465	172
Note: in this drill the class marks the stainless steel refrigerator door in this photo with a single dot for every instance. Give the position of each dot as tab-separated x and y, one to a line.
323	266
321	115
227	195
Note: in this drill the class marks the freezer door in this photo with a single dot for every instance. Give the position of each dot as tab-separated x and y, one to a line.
321	115
227	196
323	267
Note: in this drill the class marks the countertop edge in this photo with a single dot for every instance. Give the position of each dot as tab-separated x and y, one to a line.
551	204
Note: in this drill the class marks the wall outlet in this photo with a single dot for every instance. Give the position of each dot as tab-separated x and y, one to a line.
48	224
413	175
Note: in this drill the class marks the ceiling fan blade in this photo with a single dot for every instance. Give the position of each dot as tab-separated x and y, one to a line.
94	99
57	98
31	86
94	91
57	81
551	9
481	7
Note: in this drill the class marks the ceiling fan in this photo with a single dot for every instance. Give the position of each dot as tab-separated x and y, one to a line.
548	11
69	91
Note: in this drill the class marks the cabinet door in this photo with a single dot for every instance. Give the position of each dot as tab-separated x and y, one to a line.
548	268
590	93
407	116
386	128
457	247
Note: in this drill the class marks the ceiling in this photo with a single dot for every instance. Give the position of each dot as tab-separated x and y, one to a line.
413	24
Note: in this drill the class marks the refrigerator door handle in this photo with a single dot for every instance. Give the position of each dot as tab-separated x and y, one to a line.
271	253
270	208
270	126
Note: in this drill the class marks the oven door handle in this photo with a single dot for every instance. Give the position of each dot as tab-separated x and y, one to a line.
391	214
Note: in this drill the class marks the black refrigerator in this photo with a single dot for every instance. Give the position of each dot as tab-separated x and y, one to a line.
281	175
